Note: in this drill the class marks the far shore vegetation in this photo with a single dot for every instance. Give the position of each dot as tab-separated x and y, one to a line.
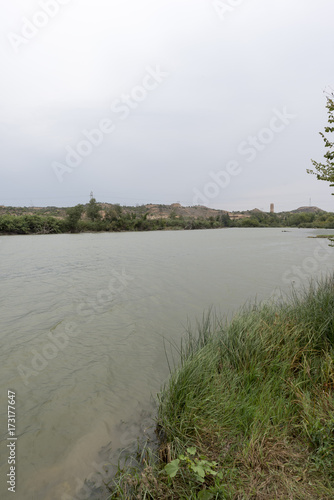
248	411
102	217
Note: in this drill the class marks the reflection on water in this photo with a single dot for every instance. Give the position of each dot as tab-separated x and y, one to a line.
84	318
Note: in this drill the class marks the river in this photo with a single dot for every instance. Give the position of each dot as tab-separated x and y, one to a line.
86	320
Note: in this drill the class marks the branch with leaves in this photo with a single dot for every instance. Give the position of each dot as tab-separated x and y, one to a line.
325	171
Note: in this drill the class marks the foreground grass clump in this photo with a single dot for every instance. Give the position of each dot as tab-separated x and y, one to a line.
249	413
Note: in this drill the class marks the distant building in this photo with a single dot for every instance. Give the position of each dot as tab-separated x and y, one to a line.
272	208
238	216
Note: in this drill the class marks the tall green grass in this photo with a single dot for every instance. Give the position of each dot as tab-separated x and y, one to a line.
256	396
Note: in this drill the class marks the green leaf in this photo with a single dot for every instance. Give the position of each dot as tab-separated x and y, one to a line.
172	468
205	495
198	470
212	472
192	450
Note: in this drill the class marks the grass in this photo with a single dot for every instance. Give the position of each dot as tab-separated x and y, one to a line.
328	236
254	399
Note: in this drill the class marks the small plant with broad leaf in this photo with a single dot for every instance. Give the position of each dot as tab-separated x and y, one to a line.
200	467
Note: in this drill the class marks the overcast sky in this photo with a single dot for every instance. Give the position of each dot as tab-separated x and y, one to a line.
207	102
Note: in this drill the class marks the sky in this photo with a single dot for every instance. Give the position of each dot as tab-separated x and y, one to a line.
209	102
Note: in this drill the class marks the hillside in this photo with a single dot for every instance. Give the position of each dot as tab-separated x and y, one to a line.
153	211
307	210
175	209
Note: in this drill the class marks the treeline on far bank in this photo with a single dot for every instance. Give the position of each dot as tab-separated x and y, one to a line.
88	218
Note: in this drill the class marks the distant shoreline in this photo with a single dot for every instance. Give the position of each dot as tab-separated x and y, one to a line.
284	230
103	217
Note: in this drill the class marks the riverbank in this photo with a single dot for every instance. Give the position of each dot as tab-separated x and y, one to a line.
249	413
102	217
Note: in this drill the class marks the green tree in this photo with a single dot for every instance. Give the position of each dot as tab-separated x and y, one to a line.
93	210
249	222
73	216
325	171
113	213
225	219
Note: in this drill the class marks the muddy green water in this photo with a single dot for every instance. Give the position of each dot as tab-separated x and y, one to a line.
83	323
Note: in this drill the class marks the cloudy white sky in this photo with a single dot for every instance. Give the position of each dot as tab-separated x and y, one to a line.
200	101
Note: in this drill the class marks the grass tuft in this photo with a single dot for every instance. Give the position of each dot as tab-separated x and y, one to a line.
255	396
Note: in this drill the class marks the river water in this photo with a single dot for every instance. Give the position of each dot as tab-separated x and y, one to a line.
86	320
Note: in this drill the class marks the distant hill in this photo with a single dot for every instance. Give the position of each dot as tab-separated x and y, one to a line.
256	211
307	210
154	211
